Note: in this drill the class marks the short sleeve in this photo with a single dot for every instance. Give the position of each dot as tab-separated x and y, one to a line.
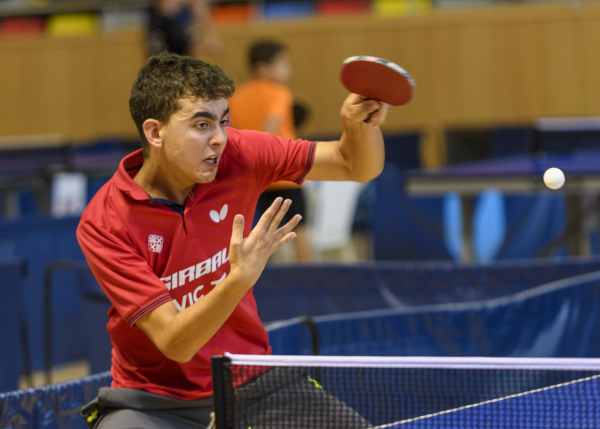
276	158
123	274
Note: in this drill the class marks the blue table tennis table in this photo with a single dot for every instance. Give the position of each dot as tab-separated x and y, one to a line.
515	175
572	406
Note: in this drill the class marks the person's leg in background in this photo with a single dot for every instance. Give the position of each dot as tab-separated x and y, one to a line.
302	246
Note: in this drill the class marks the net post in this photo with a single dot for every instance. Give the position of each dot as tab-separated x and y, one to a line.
222	392
314	333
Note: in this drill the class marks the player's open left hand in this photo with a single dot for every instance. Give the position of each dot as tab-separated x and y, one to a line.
248	256
360	109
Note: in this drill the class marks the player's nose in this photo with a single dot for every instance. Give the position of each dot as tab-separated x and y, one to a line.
219	137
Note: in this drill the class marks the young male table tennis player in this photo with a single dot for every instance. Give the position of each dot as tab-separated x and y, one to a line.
169	239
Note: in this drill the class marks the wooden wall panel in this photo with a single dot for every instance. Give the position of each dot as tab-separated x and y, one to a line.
75	86
116	67
590	53
562	73
481	67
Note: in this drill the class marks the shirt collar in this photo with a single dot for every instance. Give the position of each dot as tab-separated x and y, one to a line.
128	168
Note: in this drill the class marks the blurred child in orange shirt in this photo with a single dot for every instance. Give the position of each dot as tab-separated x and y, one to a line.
265	103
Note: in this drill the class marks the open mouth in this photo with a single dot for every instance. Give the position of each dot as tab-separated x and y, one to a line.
212	160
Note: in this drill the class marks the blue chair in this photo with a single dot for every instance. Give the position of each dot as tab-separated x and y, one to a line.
14	359
39	241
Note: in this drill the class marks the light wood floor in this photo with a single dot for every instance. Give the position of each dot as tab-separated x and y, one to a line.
60	373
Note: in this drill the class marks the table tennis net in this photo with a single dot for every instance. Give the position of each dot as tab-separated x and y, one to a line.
297	392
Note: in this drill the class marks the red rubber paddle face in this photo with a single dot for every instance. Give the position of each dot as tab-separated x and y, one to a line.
378	79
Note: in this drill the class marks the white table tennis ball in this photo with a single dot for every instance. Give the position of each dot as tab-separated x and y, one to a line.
554	178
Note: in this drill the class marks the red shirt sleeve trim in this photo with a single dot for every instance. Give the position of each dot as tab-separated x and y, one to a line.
161	300
309	163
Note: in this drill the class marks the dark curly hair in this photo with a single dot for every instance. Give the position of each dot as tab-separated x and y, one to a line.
168	77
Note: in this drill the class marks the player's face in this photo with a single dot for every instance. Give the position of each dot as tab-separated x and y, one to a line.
195	137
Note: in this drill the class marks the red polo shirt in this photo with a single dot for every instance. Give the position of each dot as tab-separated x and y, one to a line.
145	252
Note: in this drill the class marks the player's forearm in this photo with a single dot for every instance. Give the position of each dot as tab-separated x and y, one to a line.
180	335
189	330
362	147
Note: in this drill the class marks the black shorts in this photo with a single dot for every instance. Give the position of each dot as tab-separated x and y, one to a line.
279	398
298	205
122	408
291	398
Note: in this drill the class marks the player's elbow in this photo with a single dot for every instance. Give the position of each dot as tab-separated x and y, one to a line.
174	348
165	329
375	173
378	168
175	353
181	358
369	174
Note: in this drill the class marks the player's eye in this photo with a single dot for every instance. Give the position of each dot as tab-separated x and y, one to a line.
224	122
202	125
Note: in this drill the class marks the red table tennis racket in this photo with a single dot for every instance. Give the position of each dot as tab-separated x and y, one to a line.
378	79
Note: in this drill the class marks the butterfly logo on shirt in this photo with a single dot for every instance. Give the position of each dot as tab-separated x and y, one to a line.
219	216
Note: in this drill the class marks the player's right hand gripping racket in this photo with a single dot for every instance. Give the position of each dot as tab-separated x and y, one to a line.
377	79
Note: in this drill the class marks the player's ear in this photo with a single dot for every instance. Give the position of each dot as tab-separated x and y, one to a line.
152	132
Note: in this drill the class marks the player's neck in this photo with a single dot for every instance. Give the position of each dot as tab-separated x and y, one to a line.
160	182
